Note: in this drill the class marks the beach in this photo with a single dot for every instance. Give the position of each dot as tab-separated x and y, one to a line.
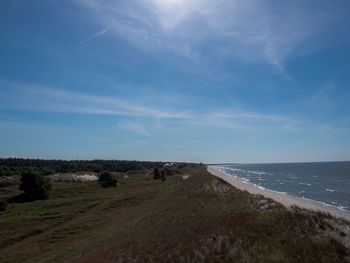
281	198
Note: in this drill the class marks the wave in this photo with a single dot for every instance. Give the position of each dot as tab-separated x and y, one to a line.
340	207
332	204
331	190
305	184
244	171
258	172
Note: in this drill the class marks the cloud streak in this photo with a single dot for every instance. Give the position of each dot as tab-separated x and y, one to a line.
18	96
254	31
95	35
24	97
133	127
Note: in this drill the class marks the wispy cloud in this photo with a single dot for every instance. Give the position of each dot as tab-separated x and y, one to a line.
133	127
22	96
322	99
95	35
254	31
240	120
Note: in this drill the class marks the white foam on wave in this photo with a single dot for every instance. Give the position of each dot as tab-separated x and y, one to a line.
258	172
340	207
231	169
331	190
247	181
305	184
248	172
283	193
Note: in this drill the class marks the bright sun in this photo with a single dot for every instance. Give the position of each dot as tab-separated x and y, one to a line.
172	12
174	3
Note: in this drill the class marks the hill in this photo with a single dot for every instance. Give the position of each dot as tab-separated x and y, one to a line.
190	217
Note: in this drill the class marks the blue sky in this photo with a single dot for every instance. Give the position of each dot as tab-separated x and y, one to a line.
182	80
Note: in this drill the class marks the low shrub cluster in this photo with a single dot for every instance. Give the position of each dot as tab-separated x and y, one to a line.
107	180
162	173
3	205
34	185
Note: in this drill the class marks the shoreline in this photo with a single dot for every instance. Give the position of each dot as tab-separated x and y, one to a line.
284	199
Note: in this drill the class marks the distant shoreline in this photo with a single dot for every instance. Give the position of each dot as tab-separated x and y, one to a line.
284	199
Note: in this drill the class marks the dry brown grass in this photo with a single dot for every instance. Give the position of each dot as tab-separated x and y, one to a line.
200	219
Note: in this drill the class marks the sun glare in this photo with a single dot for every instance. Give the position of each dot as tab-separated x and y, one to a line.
170	4
172	12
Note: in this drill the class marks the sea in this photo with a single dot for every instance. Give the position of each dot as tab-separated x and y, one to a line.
324	182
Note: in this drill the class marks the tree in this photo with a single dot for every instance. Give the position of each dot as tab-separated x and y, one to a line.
34	185
107	180
156	174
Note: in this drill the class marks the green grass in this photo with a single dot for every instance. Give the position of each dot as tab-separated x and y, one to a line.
197	219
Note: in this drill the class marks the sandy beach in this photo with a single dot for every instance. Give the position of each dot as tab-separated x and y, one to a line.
281	198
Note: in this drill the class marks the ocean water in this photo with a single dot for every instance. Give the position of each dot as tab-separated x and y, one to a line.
325	182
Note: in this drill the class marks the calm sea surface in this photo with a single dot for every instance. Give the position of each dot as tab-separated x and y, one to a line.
326	182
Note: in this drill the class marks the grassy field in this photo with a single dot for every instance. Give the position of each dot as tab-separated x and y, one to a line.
198	219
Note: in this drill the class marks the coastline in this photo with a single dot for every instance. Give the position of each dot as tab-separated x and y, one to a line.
284	199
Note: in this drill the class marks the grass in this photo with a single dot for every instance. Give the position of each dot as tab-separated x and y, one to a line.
200	219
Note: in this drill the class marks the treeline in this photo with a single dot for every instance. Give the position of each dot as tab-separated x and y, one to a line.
16	166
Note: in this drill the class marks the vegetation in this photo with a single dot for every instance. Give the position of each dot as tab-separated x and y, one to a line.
162	175
16	166
35	186
156	174
3	205
107	180
200	219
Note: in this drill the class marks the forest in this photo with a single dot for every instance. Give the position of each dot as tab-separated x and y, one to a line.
16	166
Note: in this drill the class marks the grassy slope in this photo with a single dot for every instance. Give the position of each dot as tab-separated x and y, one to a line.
198	219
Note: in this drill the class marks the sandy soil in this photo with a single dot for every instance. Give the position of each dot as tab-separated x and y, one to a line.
283	199
73	177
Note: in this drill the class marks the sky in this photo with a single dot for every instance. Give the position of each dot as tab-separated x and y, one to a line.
175	80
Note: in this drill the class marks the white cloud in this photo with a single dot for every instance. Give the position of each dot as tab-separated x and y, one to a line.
95	35
28	97
133	127
172	13
322	99
24	96
254	31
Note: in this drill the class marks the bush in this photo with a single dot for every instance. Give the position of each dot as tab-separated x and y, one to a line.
162	175
169	171
34	185
107	180
3	205
156	174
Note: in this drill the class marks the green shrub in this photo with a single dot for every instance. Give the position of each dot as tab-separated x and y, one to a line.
162	175
34	185
159	174
107	180
169	171
156	174
3	205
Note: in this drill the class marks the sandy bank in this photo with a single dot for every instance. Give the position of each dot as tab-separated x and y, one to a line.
284	199
74	177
